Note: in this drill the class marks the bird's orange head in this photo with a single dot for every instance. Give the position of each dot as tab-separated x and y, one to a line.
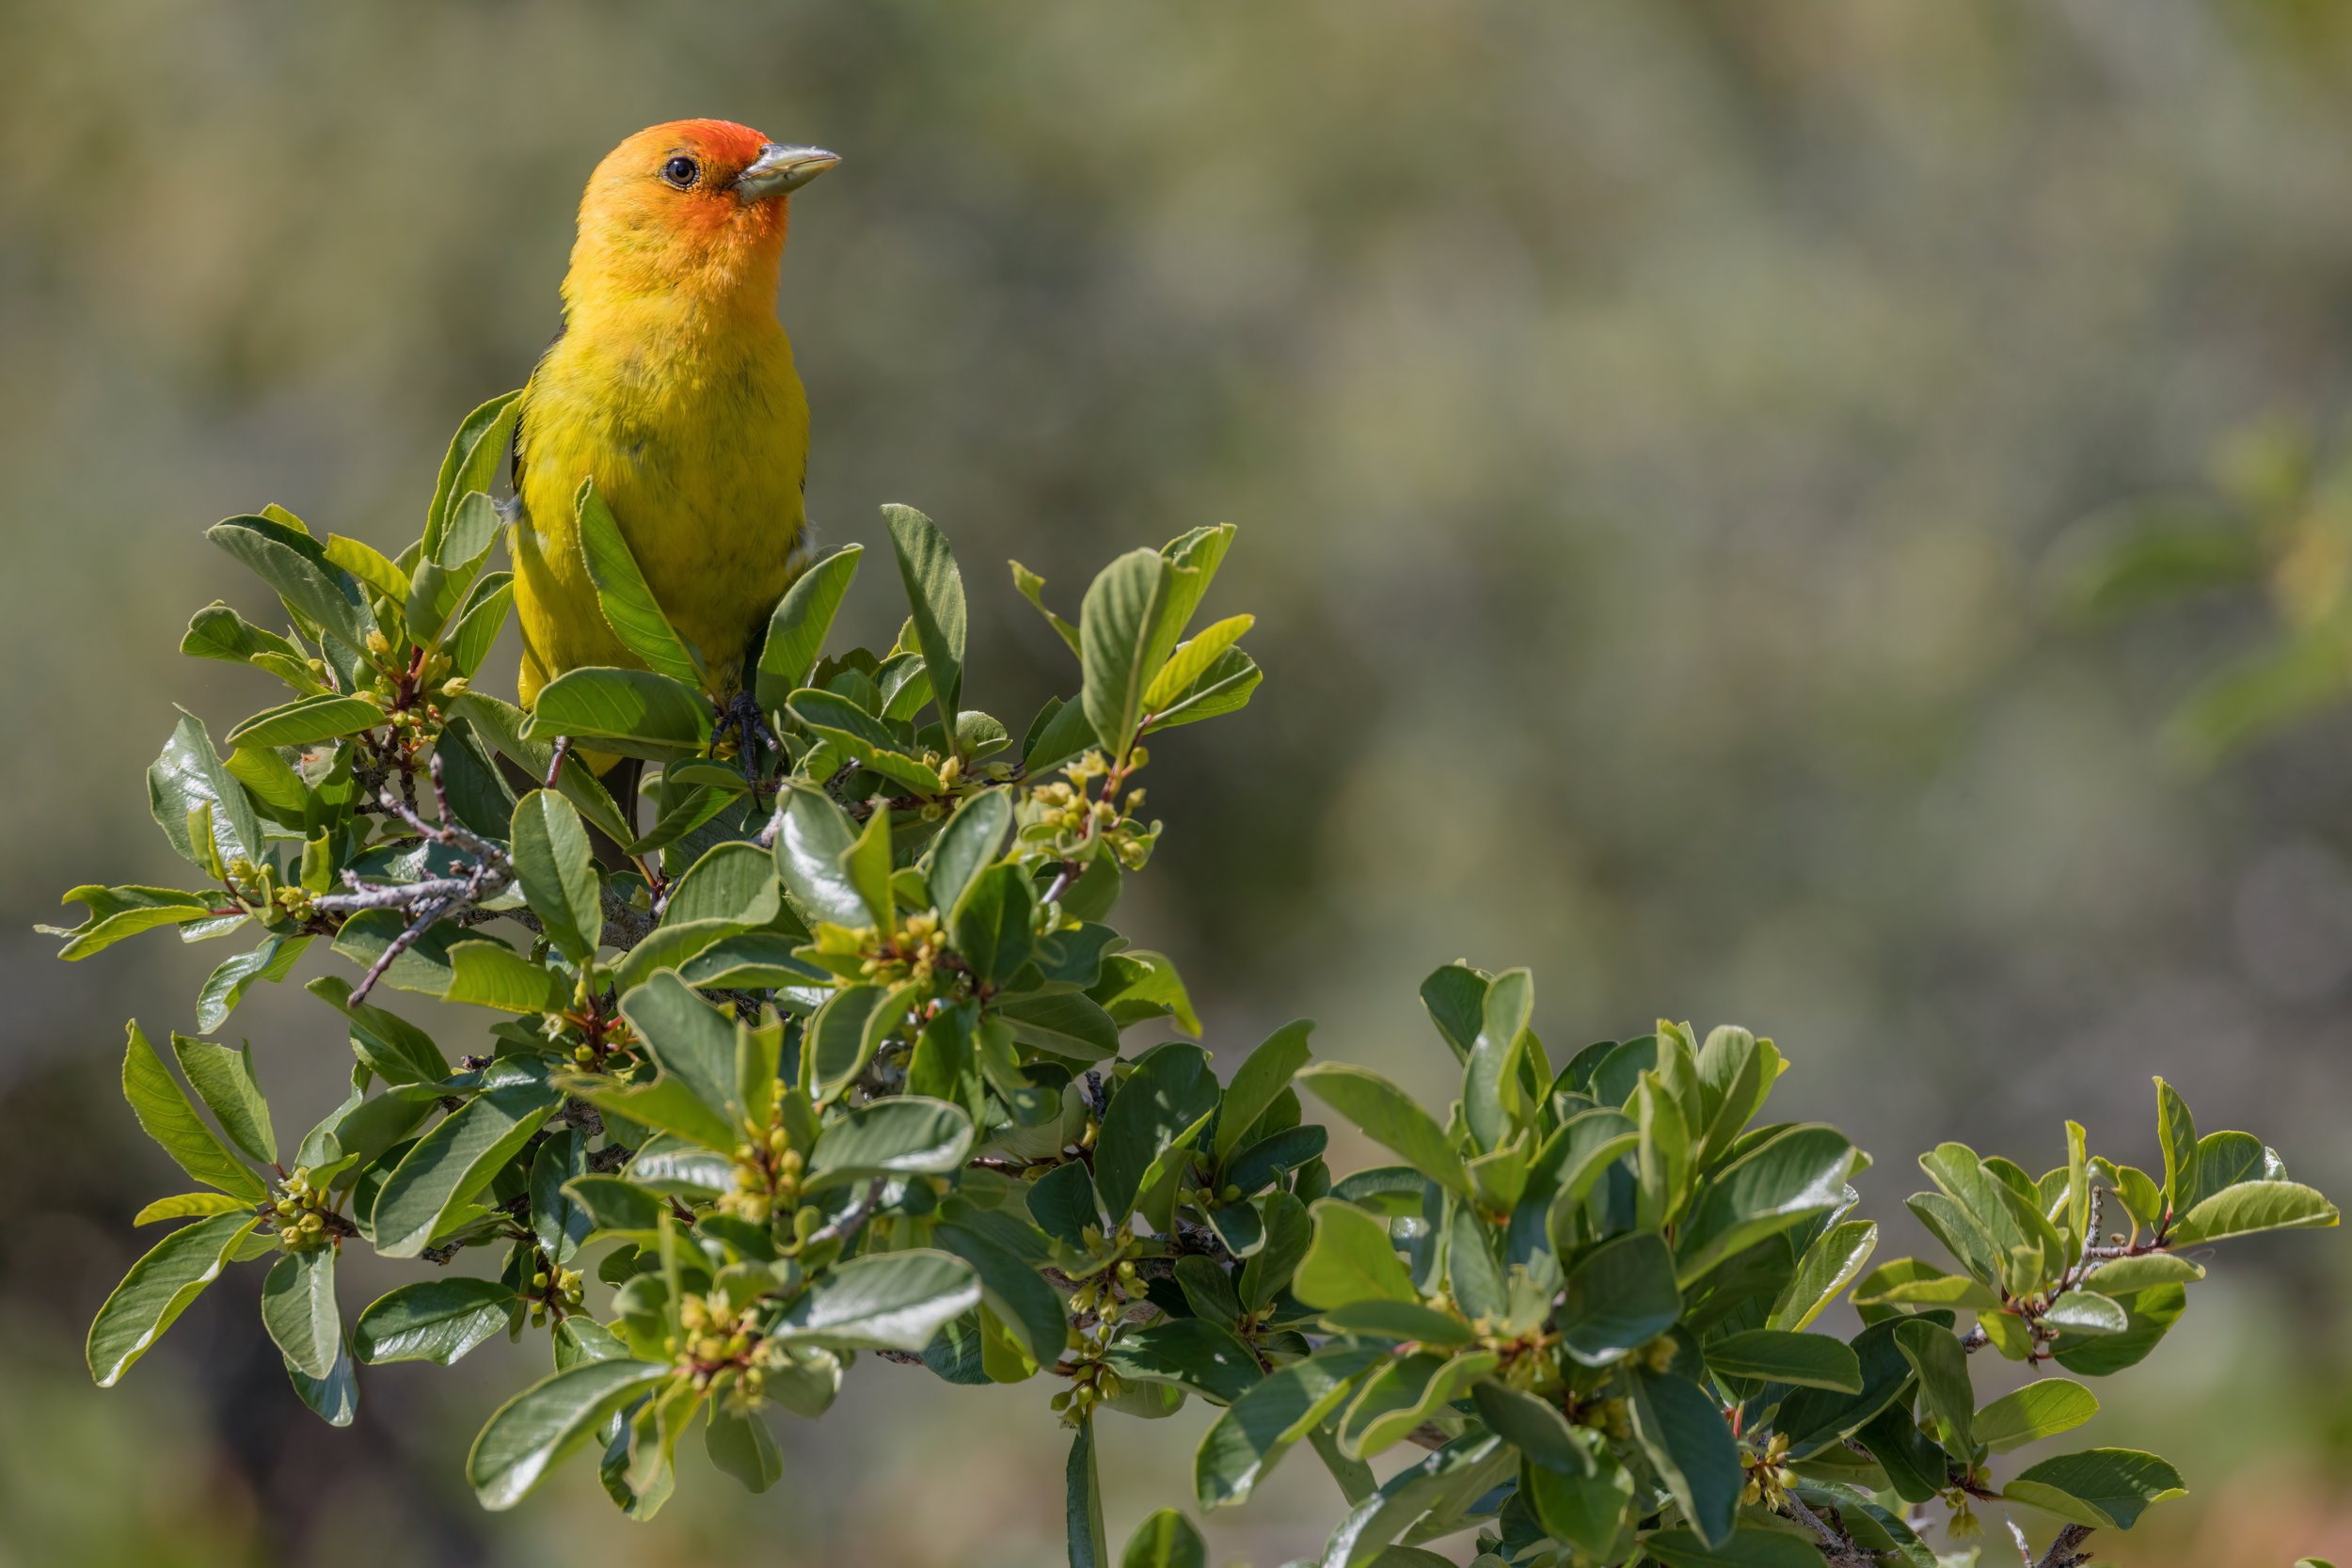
694	208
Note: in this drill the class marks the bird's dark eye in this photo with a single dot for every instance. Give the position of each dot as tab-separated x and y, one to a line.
682	172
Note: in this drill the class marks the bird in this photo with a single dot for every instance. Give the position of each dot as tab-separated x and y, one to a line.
672	386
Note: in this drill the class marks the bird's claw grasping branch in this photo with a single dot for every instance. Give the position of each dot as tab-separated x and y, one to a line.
435	898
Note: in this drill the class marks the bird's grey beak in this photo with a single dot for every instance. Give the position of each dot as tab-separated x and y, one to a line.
778	169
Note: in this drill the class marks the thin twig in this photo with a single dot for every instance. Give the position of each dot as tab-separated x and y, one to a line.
1836	1544
853	1220
435	898
555	763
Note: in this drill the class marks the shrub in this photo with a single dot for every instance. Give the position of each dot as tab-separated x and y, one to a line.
827	1059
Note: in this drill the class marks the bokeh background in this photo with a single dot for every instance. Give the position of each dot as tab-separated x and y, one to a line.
1650	426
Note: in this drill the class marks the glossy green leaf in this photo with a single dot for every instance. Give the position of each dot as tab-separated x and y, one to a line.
1350	1259
1082	1505
623	596
158	1289
1786	1179
1745	1549
935	598
223	1079
1390	1118
2251	1207
298	1309
1688	1441
548	1420
1164	1540
189	776
1776	1355
166	1114
1259	1428
902	1135
2041	1409
227	985
308	721
2107	1488
452	1163
796	632
741	1445
812	833
893	1301
431	1320
557	868
1618	1297
634	712
1164	1101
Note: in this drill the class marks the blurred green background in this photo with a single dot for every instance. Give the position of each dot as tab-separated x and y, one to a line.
1648	425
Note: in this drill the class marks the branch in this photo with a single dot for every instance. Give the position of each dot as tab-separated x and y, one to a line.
433	900
2064	1552
1837	1546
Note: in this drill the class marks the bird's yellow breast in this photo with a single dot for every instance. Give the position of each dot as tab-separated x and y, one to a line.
696	434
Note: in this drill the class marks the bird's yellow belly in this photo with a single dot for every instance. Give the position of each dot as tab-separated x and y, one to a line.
701	460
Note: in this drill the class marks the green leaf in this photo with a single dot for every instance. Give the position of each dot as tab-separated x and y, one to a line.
1828	1265
1082	1508
692	1041
158	1289
1937	1356
741	1445
2124	1276
1350	1259
1620	1296
2150	1315
189	777
432	1320
812	837
1390	1118
295	565
1126	631
1776	1355
2039	1410
559	1223
557	868
1195	1354
227	985
969	842
335	1398
623	596
1032	588
2085	1314
844	1033
1259	1428
1455	997
1062	1023
298	1309
2251	1207
2177	1130
1164	1540
307	721
219	632
1745	1549
548	1420
634	712
488	974
1586	1511
935	595
118	912
479	622
166	1114
834	718
1398	1320
1492	1099
1789	1177
223	1081
1057	738
472	464
1690	1444
1011	1288
449	1165
1163	1102
392	1048
2107	1488
796	632
502	727
191	1206
902	1135
993	926
1439	1487
894	1301
1261	1077
1193	659
1535	1427
1224	687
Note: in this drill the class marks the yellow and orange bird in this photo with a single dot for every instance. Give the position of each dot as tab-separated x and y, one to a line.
672	386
